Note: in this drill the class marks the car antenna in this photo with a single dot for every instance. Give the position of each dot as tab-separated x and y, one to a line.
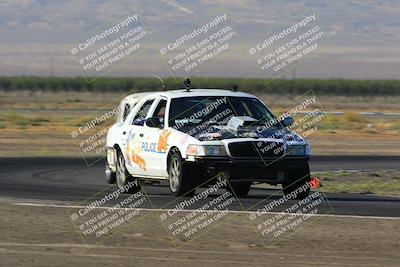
163	86
186	83
235	88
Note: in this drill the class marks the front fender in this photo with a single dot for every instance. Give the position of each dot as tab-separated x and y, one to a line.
180	141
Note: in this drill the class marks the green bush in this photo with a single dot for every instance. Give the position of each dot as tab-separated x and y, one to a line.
253	85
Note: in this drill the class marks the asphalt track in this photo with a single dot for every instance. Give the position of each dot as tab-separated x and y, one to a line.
69	181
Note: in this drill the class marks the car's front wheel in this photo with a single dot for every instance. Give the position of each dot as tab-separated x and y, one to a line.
298	185
180	182
123	177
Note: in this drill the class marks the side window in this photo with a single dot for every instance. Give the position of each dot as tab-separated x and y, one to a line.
159	112
127	109
142	112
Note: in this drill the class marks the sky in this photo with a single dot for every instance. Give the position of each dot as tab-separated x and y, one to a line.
360	37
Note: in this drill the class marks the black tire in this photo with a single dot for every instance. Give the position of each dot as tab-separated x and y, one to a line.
123	177
239	189
179	176
111	178
298	178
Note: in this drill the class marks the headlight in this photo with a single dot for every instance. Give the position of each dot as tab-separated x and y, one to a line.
208	150
296	150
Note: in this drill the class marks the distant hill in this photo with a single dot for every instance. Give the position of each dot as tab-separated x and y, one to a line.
363	34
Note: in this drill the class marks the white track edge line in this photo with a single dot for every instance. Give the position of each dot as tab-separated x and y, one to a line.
229	211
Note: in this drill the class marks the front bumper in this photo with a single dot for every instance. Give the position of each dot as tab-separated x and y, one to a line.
266	170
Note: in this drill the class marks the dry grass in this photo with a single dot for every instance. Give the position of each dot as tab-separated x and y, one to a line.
44	122
378	183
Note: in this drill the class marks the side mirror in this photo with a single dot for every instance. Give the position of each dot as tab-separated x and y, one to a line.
287	121
154	122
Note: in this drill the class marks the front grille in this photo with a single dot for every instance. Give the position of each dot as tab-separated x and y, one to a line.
256	149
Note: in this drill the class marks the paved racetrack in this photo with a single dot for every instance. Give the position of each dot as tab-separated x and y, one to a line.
71	181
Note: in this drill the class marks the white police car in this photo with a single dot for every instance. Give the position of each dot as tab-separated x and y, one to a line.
187	136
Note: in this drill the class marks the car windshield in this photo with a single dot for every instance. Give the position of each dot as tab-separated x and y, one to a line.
215	110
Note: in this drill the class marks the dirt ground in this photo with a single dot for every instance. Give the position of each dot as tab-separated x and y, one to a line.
45	236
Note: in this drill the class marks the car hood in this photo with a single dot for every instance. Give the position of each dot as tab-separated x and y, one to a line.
212	132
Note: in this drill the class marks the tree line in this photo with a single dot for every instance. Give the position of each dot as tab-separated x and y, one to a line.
344	87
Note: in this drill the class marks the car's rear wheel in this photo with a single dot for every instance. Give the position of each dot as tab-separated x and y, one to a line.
180	182
298	185
239	189
110	174
123	177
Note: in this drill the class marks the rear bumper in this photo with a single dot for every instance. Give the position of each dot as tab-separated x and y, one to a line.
268	170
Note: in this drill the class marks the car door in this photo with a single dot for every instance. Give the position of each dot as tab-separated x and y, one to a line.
155	141
135	132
